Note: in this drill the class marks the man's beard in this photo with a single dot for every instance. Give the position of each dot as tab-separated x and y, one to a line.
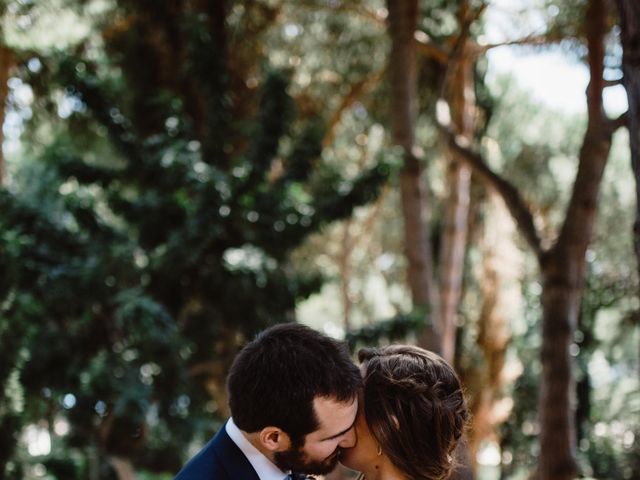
294	460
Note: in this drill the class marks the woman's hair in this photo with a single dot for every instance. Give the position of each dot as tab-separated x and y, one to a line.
414	407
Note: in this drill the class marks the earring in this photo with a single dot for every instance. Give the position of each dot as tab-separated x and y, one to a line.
379	450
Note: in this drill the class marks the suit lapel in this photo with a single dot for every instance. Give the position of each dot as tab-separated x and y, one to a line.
231	457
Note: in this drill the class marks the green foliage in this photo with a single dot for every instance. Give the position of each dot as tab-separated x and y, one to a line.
518	435
396	329
173	160
133	276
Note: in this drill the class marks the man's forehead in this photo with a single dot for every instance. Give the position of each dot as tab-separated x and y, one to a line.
334	416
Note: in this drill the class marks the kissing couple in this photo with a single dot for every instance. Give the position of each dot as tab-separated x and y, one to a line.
299	406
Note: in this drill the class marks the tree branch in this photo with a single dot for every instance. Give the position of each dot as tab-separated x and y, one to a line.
378	17
459	47
533	40
618	122
426	47
612	83
429	49
517	206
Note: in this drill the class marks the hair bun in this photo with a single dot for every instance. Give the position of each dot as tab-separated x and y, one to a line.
415	408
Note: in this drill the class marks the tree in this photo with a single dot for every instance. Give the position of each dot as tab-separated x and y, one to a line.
403	18
174	193
630	36
562	263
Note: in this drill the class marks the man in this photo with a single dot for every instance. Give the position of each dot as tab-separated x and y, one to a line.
293	401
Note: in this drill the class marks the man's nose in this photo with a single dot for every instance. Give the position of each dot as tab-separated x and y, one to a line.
349	438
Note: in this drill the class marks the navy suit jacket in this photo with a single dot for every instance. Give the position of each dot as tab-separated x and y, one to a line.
220	459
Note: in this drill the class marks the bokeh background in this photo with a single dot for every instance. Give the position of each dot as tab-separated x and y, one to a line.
177	175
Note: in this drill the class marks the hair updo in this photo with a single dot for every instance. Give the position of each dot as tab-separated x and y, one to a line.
414	407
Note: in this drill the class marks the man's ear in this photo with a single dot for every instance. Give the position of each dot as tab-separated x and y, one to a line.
274	439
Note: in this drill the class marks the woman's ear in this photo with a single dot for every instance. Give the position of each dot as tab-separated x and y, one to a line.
274	439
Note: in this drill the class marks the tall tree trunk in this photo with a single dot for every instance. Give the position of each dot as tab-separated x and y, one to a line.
560	296
563	271
630	32
459	87
500	302
562	266
454	235
402	19
453	243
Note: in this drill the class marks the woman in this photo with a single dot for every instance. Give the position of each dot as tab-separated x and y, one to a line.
411	415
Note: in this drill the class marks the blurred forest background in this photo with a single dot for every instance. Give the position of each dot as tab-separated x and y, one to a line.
179	174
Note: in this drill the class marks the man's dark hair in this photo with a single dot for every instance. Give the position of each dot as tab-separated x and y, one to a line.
275	378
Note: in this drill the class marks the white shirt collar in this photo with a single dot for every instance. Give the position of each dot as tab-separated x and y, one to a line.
265	469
